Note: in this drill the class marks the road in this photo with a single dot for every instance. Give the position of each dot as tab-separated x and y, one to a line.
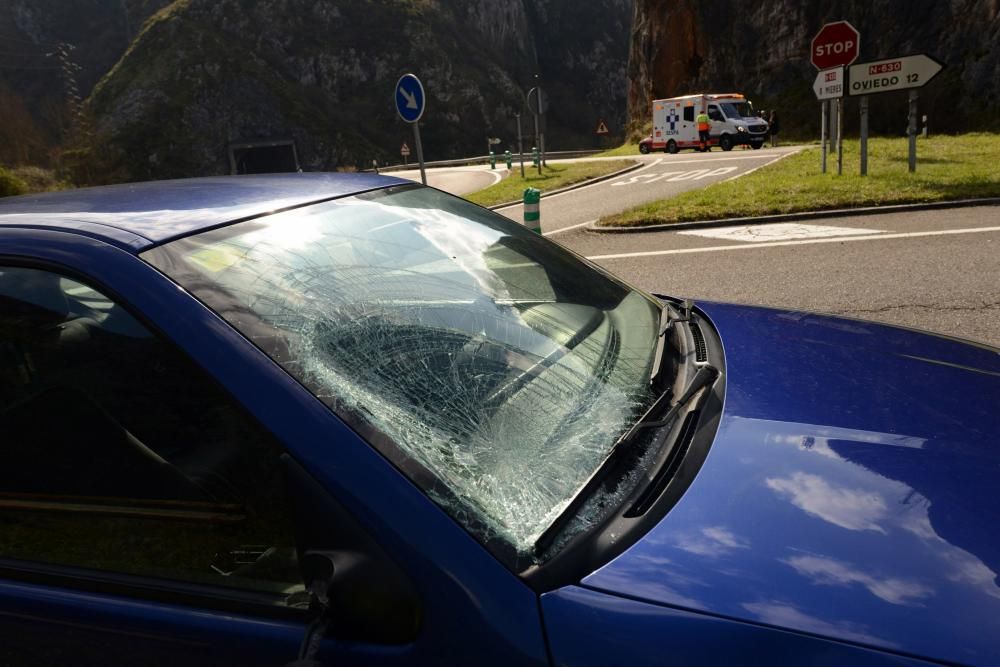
660	177
456	180
936	270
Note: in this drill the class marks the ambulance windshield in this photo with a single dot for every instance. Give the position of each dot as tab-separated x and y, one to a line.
737	109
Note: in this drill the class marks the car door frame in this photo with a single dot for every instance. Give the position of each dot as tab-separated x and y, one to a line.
473	609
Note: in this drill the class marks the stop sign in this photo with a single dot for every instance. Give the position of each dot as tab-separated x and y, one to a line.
835	45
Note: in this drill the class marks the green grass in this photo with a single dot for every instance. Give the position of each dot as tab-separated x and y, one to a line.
552	177
628	149
948	168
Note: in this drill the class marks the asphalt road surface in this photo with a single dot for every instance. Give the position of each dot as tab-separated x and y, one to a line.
935	270
661	176
456	180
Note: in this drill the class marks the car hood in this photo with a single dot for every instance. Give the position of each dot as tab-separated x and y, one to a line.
852	491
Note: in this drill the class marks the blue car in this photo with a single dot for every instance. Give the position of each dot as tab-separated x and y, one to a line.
350	420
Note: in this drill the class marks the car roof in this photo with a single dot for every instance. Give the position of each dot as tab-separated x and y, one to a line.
139	215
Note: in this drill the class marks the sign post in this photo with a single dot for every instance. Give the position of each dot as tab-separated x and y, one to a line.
410	99
538	104
824	105
404	150
884	76
864	135
835	45
829	84
520	144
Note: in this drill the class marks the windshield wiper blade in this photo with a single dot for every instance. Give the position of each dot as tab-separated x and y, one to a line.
668	316
705	376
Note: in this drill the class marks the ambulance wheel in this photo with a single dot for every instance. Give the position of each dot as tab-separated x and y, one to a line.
726	142
671	146
643	148
756	146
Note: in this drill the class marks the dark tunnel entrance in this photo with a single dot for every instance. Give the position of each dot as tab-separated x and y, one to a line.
263	157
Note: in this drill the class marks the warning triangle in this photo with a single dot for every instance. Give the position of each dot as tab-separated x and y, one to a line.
602	127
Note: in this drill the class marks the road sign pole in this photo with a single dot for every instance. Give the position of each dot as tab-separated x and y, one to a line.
420	152
822	131
537	142
864	135
541	135
840	136
520	144
911	130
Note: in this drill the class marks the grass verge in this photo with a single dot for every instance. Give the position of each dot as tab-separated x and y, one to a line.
552	177
948	168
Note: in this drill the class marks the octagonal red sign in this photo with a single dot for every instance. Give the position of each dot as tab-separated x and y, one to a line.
834	45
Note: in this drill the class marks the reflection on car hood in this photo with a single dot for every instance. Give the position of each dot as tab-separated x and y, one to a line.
853	490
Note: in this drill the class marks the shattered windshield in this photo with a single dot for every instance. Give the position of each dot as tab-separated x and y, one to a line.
497	361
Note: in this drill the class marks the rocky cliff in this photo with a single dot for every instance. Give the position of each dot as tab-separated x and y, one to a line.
203	75
762	49
48	49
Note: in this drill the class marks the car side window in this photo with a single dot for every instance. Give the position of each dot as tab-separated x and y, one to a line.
120	455
689	114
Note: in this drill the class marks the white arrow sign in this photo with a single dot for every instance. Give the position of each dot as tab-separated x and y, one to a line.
411	98
829	83
883	76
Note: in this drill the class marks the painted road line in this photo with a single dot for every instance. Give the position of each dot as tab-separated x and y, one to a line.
784	231
755	246
566	229
574	191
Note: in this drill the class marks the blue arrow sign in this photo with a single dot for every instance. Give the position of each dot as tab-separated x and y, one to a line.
409	98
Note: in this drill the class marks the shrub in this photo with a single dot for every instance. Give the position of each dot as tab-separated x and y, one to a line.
10	184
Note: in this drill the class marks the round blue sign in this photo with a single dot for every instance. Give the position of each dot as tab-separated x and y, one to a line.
410	98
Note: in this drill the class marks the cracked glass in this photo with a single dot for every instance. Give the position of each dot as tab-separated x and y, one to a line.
495	368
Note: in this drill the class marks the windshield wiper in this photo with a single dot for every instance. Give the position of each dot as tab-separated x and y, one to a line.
705	376
668	316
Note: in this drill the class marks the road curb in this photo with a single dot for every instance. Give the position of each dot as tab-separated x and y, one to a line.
793	217
575	186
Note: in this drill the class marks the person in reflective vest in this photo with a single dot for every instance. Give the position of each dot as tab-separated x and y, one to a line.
704	125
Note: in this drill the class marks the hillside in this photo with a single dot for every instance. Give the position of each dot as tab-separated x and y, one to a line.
680	46
34	95
205	74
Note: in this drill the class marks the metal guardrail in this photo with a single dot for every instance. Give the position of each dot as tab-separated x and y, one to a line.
484	159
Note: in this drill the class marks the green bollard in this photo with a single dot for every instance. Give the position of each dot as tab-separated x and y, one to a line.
535	156
509	158
532	212
493	160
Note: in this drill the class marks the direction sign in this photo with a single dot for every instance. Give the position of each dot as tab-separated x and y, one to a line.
404	150
834	45
883	76
829	84
533	103
410	98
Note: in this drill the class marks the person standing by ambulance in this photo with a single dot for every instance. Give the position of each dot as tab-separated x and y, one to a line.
704	125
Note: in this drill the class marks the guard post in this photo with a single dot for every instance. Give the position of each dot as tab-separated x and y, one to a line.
493	160
509	159
532	212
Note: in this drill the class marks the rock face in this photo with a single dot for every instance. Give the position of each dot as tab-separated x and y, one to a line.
205	74
34	91
762	49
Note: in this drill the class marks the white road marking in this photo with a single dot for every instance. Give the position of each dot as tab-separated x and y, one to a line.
695	175
785	231
566	229
754	246
576	190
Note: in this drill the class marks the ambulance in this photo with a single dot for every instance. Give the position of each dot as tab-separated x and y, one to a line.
732	118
